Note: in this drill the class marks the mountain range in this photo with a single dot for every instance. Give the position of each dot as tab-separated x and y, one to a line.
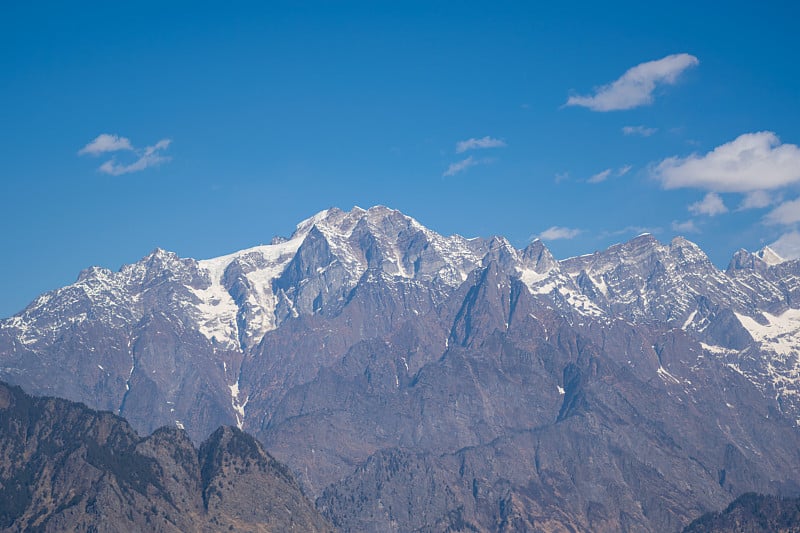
417	382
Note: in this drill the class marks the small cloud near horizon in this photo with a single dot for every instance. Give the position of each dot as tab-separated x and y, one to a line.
602	176
788	245
642	131
479	144
685	227
711	205
630	230
788	213
460	166
755	200
150	156
558	232
751	162
636	86
106	142
472	144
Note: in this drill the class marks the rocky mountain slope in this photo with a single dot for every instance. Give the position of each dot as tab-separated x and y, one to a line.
65	467
419	382
752	513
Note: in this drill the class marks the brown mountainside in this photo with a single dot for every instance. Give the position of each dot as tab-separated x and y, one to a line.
65	467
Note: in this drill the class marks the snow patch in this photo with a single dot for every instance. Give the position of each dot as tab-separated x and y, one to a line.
601	285
530	277
133	367
769	256
689	320
238	407
781	334
218	311
666	376
716	349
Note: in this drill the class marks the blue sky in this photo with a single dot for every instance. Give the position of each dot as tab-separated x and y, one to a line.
202	129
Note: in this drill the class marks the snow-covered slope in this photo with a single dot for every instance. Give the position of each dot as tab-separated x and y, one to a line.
232	300
645	281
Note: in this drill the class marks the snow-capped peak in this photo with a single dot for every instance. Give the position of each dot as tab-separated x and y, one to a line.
248	294
769	256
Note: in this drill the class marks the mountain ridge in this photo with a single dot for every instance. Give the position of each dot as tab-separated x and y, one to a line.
366	332
65	467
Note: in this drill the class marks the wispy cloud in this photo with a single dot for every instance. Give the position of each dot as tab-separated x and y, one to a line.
756	200
642	131
460	166
710	205
561	176
476	144
600	176
635	87
150	156
751	162
106	142
629	230
685	227
787	213
787	245
558	232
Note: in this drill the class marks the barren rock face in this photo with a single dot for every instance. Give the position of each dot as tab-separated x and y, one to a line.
65	467
752	513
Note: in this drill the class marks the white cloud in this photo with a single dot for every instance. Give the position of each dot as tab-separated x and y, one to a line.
151	156
475	144
163	144
710	205
787	245
630	230
787	213
635	87
600	176
755	200
106	142
561	176
685	227
751	162
460	166
643	131
557	232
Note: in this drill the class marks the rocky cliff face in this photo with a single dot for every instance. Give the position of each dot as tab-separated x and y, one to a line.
417	381
752	513
65	467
